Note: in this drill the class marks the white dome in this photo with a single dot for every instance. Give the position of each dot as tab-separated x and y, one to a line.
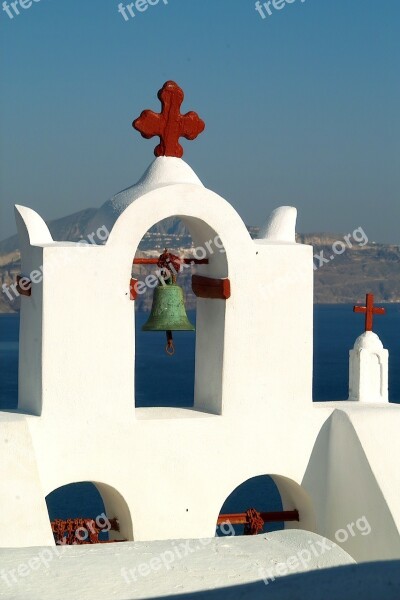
368	341
280	226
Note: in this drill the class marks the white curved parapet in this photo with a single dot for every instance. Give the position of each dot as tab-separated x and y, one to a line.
368	370
281	226
32	230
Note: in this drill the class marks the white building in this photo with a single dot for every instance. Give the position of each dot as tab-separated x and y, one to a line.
165	472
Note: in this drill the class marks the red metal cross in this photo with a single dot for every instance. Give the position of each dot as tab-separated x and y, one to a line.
170	124
370	310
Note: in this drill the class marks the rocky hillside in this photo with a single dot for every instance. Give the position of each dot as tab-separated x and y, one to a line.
347	277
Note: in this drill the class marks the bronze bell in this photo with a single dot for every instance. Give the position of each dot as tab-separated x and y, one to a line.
168	312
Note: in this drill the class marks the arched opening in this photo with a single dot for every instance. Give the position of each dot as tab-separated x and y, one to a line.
279	502
88	512
190	377
162	380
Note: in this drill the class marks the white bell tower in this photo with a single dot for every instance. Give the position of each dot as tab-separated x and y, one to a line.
369	361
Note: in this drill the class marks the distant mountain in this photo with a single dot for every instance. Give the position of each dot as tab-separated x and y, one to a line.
77	226
71	228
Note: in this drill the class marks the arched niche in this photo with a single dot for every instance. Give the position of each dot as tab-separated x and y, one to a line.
258	492
271	493
219	232
174	387
77	499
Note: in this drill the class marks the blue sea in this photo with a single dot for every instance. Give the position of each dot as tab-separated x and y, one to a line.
335	330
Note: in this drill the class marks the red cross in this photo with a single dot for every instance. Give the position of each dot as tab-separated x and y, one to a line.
170	124
370	310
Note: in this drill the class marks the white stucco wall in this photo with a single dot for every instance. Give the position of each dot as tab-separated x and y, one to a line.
351	474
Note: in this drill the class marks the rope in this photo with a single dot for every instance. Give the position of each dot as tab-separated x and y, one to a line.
255	523
170	263
65	531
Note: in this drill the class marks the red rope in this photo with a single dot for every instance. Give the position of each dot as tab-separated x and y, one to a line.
170	262
254	524
69	532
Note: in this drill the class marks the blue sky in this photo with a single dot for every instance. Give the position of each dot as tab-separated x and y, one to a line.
301	108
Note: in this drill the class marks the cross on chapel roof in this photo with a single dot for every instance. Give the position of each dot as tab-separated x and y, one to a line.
370	310
170	124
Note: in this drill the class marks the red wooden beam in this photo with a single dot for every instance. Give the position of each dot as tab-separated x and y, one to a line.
233	518
205	287
276	517
186	261
267	517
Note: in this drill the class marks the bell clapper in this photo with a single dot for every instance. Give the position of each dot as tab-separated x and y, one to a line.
170	348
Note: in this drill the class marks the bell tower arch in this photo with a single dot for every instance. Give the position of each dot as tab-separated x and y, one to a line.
220	236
